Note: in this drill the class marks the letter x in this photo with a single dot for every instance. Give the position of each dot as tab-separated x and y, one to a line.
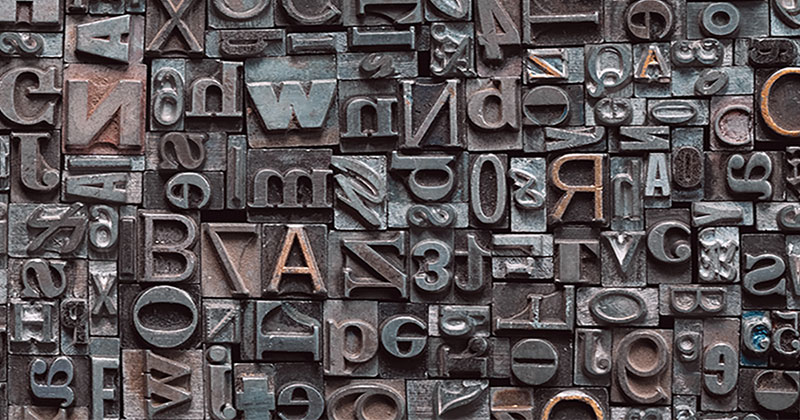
175	22
104	282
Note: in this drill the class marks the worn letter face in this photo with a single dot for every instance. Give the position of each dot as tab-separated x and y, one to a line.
399	209
41	15
104	111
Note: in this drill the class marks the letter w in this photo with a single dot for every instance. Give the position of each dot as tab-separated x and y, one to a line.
161	373
279	109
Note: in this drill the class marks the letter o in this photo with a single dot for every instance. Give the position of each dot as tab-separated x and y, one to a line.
786	123
170	295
